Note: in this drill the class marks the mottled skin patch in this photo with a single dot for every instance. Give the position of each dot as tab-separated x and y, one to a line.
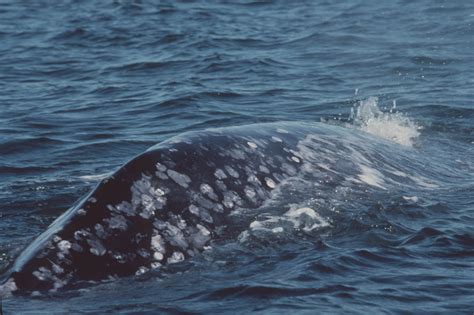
161	207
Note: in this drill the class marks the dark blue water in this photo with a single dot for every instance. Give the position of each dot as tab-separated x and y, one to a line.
87	85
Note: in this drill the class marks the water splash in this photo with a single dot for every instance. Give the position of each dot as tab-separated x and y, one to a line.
367	116
267	226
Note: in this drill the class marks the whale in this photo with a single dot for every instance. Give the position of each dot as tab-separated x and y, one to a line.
169	203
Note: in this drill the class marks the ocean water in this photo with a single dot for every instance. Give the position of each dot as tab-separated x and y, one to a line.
86	85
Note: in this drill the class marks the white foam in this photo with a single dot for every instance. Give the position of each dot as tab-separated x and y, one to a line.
423	182
93	178
256	225
306	219
388	125
253	145
398	173
281	130
371	176
412	198
296	212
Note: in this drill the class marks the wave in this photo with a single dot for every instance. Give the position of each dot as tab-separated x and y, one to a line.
27	145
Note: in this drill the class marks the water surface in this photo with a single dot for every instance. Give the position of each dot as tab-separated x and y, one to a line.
85	86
